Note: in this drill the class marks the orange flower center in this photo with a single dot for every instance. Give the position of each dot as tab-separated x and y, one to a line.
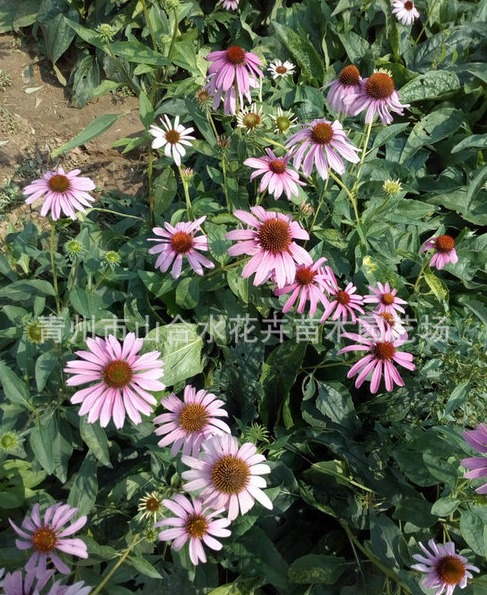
342	297
152	504
181	242
450	570
117	374
445	244
387	299
193	417
251	120
277	166
380	85
196	526
274	235
322	133
383	350
305	276
44	540
59	183
281	69
235	55
230	474
408	5
172	136
389	318
349	76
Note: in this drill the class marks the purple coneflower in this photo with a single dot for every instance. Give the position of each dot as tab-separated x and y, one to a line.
178	241
229	476
405	11
122	379
195	523
445	251
385	298
277	177
270	245
15	583
229	69
229	4
190	422
347	85
325	144
172	138
391	321
382	352
310	282
343	301
478	441
62	192
445	569
46	535
377	95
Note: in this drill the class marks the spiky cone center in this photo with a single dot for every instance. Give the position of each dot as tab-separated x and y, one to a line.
283	123
274	236
387	299
322	133
44	540
445	244
34	332
193	417
59	183
342	297
117	374
8	441
251	120
172	136
408	5
380	86
181	242
305	276
230	475
152	504
202	96
450	570
196	526
281	69
349	76
384	350
236	55
389	318
277	166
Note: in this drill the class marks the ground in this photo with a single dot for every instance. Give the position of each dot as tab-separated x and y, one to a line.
36	118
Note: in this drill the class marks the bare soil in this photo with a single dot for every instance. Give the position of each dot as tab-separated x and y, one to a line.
35	122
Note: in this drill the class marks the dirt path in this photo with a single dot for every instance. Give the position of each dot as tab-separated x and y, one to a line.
35	118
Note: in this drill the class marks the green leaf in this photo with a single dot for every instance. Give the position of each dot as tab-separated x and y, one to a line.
88	304
146	110
437	286
45	364
165	189
444	507
14	388
86	80
180	346
14	15
105	87
143	566
307	58
87	35
355	45
94	129
188	293
57	33
457	397
476	185
85	486
475	141
430	85
23	290
135	51
472	529
41	441
317	569
335	402
201	120
387	541
94	436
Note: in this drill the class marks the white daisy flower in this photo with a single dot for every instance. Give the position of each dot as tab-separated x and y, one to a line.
172	138
279	68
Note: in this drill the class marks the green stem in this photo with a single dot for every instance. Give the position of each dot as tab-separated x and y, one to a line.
53	266
174	34
186	193
226	267
122	68
428	14
149	25
225	185
320	204
212	123
152	209
116	213
97	284
364	150
273	142
349	194
416	284
115	568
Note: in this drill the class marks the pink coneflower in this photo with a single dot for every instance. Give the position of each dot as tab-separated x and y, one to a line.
445	251
178	241
310	282
122	380
478	441
377	96
270	245
232	68
277	177
343	301
190	422
382	352
66	192
229	476
391	321
405	11
326	144
385	298
195	523
347	85
16	584
76	589
445	569
229	4
280	69
172	138
46	536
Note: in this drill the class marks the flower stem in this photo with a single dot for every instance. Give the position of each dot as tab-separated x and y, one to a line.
174	34
273	142
364	150
225	185
186	193
149	25
53	267
150	176
122	68
116	213
117	565
349	194
320	204
225	267
428	14
416	284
